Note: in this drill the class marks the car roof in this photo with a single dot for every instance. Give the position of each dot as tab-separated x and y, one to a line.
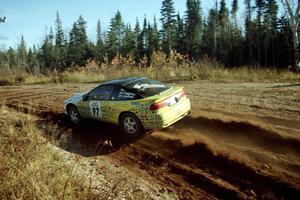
122	82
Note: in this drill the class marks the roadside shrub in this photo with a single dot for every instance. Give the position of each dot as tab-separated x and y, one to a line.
20	78
4	82
172	68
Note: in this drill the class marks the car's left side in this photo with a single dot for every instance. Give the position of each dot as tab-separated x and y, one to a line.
134	103
109	103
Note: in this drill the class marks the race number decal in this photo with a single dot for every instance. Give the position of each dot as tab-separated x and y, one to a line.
95	109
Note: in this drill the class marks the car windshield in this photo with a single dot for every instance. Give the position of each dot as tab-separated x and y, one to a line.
147	87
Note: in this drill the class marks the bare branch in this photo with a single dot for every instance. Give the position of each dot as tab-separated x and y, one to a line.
297	14
293	16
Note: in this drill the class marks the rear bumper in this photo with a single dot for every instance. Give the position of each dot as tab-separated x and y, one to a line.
175	120
168	116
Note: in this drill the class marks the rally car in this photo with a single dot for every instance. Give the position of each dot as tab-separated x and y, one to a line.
136	104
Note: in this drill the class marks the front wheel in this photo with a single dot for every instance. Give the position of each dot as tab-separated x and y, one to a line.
74	115
131	125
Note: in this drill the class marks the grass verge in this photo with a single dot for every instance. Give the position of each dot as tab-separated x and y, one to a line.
176	67
36	163
30	168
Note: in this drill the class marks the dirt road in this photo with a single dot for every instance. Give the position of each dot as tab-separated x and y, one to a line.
241	141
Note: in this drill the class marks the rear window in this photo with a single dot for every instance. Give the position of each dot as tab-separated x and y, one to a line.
147	87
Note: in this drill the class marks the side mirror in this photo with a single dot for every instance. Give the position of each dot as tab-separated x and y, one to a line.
85	97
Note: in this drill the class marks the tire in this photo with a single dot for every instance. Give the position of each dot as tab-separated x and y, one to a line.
74	115
131	126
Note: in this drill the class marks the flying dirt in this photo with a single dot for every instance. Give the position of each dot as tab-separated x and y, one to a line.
241	141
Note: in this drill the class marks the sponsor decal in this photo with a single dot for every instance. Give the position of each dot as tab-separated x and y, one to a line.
135	103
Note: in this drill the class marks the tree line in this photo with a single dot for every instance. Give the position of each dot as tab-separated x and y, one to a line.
263	39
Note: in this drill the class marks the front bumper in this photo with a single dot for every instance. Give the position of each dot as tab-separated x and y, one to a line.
65	109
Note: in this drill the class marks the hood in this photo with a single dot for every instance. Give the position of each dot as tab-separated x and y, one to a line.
74	99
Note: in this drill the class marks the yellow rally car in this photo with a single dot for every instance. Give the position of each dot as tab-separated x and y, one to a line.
135	104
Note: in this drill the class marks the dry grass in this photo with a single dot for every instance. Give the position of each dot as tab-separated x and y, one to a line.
176	67
247	74
30	168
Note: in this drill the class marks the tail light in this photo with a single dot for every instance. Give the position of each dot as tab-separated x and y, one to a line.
158	105
182	94
166	102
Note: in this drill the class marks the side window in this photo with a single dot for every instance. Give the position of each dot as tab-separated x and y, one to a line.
103	93
121	94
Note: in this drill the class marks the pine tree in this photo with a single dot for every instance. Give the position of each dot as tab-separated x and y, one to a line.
82	37
115	36
79	51
236	38
31	60
60	44
272	11
99	45
34	62
223	14
292	11
112	46
3	60
168	31
180	36
156	40
11	57
285	38
139	43
22	54
46	54
52	49
270	26
59	34
194	25
234	10
260	5
128	43
86	46
224	36
51	36
211	32
145	37
249	32
73	54
150	45
153	40
264	40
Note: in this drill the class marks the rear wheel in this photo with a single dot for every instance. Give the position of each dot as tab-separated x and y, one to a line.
131	125
73	115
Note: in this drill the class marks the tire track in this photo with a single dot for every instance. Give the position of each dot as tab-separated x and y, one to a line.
192	169
242	132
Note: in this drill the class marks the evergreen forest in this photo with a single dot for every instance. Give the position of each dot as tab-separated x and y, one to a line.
259	35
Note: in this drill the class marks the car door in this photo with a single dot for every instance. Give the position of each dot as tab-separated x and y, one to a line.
99	102
121	101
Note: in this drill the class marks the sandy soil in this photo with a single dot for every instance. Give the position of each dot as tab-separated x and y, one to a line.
241	141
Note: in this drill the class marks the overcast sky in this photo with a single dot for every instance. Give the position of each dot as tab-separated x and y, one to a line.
33	18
